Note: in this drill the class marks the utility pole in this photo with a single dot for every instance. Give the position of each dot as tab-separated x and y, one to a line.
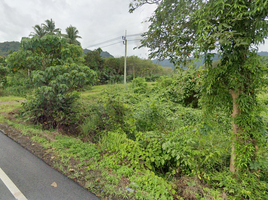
125	64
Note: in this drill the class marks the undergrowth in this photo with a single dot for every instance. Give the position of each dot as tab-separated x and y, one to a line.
141	143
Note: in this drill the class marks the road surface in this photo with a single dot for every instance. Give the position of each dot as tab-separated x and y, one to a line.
23	176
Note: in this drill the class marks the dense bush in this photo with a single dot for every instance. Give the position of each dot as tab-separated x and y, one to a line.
110	113
139	85
184	87
3	73
17	84
54	103
155	131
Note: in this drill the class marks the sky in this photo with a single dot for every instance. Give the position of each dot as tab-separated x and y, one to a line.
96	20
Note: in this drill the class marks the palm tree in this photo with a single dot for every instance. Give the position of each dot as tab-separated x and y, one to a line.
72	35
50	28
38	31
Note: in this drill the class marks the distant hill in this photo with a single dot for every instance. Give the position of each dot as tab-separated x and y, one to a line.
6	47
167	63
263	53
104	54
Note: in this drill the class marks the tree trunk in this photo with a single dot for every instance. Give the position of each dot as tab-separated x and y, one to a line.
236	111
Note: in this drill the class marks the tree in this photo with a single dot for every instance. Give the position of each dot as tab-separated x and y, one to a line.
56	72
182	28
94	60
38	31
39	53
72	35
50	28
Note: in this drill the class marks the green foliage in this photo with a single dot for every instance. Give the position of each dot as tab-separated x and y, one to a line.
75	148
171	140
94	60
52	109
72	35
139	85
234	29
17	84
110	113
183	88
50	28
149	186
244	186
6	47
72	75
39	53
53	103
111	70
152	114
3	73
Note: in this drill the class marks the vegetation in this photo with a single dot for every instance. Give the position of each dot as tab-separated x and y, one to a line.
111	70
7	47
72	35
234	83
199	133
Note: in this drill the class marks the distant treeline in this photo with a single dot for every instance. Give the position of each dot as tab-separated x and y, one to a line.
167	63
8	47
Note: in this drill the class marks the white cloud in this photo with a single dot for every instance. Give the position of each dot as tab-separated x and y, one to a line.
97	21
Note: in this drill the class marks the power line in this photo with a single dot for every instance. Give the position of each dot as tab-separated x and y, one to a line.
111	44
108	41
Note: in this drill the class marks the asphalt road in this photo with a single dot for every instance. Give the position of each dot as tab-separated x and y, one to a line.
32	177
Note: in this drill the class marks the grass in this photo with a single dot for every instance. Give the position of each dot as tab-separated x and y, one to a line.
9	107
102	172
5	109
94	93
10	98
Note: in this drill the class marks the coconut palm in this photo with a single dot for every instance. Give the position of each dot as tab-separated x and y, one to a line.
38	31
72	35
50	28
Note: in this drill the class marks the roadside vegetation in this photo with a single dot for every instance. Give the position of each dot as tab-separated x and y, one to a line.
197	133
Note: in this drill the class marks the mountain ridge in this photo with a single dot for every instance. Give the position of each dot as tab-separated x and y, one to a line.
167	63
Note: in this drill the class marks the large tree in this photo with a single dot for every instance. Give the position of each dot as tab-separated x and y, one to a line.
50	27
38	31
180	29
40	53
72	35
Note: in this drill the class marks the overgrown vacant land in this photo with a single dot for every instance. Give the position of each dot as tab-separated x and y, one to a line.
145	142
199	132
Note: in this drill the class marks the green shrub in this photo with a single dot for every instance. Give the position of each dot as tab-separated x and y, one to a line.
244	185
152	114
3	73
18	84
52	109
183	87
54	104
149	186
139	85
110	113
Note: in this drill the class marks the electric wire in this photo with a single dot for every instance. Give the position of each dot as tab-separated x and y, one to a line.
107	41
111	40
111	44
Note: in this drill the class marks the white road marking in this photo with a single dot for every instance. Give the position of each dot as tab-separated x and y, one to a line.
11	186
